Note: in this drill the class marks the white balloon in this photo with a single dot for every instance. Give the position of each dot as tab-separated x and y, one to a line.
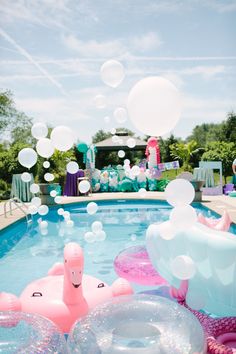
92	208
62	138
39	130
131	142
58	199
32	209
112	73
120	114
36	201
66	215
72	167
183	217
46	164
44	147
34	188
127	162
43	232
60	211
107	119
135	170
53	193
49	177
154	106
113	131
179	192
96	226
89	237
121	153
142	192
100	235
43	209
84	186
133	237
26	177
100	101
27	157
43	224
183	267
70	223
167	230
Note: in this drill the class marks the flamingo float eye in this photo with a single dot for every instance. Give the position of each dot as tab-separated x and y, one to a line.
101	285
37	294
65	260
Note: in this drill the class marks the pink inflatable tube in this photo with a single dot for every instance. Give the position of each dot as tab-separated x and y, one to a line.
221	224
134	265
66	294
220	332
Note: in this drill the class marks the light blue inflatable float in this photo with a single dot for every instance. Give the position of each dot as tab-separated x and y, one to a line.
213	254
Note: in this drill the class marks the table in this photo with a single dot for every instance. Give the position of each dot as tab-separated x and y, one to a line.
21	189
71	188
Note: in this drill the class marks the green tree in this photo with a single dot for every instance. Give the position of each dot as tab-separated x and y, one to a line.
6	107
229	128
100	136
9	164
205	133
221	151
184	152
58	162
165	150
14	125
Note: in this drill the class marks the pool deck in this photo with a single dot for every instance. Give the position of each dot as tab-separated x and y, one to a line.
218	203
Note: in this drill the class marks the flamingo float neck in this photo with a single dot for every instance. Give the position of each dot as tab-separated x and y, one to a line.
73	272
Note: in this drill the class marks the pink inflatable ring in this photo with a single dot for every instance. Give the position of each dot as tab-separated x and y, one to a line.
134	264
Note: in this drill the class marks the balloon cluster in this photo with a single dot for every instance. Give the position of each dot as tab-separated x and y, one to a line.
61	138
66	216
96	234
180	193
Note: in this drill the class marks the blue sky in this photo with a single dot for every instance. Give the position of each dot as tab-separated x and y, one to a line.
52	51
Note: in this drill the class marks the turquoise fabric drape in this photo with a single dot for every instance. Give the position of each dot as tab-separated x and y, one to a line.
204	174
21	189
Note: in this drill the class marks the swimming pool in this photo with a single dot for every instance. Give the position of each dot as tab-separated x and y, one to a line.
26	254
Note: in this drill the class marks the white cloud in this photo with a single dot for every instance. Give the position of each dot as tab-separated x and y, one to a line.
31	60
47	13
146	42
205	71
94	48
207	109
220	6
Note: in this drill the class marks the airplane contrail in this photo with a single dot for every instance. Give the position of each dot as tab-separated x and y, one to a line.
23	52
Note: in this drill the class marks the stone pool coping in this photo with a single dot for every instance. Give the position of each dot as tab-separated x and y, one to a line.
217	203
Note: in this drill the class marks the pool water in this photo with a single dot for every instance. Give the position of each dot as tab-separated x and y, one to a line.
26	254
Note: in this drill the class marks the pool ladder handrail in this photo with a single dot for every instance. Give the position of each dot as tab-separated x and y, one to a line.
15	201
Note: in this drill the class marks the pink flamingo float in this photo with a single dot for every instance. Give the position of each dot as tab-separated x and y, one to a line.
221	224
66	294
220	332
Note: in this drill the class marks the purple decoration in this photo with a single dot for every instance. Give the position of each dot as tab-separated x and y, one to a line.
156	173
175	164
71	188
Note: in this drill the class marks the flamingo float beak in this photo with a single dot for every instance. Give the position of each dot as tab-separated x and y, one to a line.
76	277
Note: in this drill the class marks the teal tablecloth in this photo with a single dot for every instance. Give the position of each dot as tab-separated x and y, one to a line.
21	189
204	174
